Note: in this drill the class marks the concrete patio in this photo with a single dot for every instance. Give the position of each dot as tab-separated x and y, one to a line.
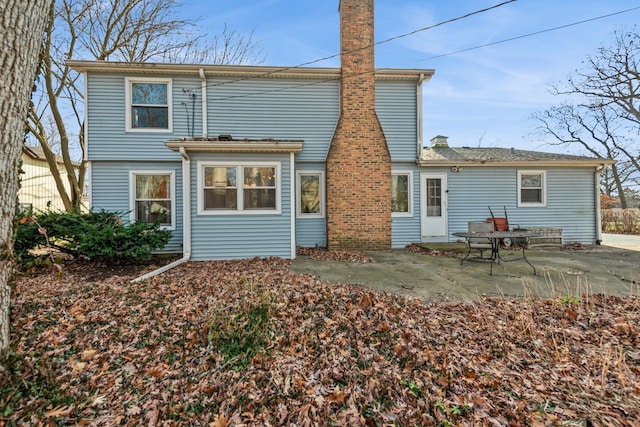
612	268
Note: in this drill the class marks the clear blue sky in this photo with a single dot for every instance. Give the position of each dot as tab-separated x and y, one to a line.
482	97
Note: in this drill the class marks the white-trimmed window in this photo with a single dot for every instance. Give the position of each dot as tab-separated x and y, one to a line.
149	105
240	188
402	194
310	201
532	188
153	197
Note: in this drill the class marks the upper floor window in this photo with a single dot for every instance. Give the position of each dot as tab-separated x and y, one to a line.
152	197
149	104
310	203
532	188
252	187
401	193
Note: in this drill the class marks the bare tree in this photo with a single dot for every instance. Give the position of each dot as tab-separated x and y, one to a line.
116	30
612	77
601	112
594	129
21	29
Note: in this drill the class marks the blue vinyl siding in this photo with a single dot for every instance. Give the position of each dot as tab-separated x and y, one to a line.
237	236
571	201
406	230
110	191
305	110
107	135
186	112
396	106
311	232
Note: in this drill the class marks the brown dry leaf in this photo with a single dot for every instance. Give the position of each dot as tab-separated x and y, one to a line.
134	410
325	353
88	354
221	420
57	412
337	396
77	366
156	371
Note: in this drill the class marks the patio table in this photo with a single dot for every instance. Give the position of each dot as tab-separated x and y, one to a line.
494	237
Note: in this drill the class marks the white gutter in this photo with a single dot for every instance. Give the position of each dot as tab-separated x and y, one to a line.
293	205
598	206
85	153
419	119
186	221
204	102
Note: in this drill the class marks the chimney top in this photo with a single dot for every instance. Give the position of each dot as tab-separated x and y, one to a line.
439	142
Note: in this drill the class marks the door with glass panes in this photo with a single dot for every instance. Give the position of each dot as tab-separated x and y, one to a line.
433	198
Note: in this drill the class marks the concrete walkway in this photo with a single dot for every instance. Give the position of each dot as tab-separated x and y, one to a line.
612	268
623	241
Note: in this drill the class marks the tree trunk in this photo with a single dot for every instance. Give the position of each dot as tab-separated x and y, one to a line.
21	27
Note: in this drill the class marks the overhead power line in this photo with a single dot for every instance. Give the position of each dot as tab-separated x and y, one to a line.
400	36
529	35
315	61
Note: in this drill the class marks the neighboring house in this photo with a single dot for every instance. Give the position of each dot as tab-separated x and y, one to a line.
244	161
38	191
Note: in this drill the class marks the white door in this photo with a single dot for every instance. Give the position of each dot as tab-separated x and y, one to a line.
433	197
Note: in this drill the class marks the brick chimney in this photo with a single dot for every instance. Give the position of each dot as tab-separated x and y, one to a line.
358	162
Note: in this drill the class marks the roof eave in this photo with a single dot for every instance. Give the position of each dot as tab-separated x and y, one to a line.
238	71
236	146
523	163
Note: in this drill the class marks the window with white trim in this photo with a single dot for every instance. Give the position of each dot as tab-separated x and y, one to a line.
242	188
532	190
401	193
148	105
311	199
153	197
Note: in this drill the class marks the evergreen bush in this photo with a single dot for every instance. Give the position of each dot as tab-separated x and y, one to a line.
99	236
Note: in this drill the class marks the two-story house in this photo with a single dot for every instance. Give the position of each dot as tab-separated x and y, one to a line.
245	161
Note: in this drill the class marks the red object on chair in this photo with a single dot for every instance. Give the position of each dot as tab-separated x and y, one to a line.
499	224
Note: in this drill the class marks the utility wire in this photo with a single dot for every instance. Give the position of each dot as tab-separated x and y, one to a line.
397	37
448	21
529	35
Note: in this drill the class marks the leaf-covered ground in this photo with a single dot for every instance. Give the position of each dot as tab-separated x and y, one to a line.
249	343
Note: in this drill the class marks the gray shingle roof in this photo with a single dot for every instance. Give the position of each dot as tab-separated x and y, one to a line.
498	155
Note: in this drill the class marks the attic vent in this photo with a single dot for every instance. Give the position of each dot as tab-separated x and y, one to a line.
224	137
439	142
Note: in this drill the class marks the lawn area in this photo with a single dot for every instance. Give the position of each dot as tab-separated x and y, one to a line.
249	343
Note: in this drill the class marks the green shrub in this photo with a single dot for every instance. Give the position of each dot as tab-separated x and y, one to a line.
98	236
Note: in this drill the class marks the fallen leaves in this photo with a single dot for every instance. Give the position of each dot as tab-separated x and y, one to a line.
96	349
322	254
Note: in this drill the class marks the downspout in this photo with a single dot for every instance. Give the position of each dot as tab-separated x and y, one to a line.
293	204
186	221
419	132
204	102
598	213
85	154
